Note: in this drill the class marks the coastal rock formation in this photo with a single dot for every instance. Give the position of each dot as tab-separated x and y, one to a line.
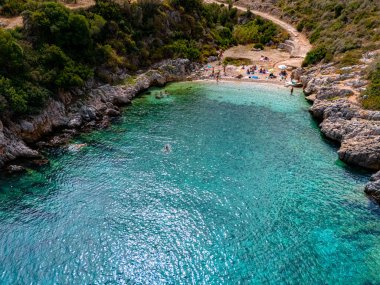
344	121
80	109
373	187
356	131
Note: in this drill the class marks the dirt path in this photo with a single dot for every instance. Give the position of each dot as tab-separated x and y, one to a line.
13	22
298	40
10	23
80	4
298	43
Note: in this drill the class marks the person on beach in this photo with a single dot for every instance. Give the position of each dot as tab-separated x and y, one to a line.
283	75
213	72
220	55
291	91
218	76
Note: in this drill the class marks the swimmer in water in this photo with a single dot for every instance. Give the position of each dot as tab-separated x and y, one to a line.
167	148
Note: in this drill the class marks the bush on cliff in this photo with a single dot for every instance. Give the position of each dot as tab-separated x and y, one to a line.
315	56
339	25
372	95
11	7
258	31
11	54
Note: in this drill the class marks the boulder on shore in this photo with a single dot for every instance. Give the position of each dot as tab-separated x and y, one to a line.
373	187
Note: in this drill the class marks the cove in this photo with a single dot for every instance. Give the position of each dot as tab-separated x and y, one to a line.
248	193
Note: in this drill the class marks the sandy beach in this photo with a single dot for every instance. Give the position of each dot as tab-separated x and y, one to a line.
268	60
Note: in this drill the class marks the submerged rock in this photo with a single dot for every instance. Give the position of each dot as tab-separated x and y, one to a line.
76	147
15	168
40	162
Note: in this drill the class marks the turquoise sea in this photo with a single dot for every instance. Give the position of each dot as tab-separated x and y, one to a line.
215	184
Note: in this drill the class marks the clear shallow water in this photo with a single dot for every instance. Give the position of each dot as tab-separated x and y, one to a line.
249	194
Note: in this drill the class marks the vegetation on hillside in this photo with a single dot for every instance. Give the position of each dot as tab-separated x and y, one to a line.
335	27
340	31
12	7
257	30
371	98
236	61
59	49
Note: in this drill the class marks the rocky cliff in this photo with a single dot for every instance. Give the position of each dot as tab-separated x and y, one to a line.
77	110
335	94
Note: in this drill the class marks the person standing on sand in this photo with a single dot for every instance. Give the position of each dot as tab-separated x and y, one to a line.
217	76
220	55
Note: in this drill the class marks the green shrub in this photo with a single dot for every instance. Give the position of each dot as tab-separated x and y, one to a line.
12	7
245	34
182	48
315	36
11	54
315	56
372	94
15	98
350	58
188	5
236	61
300	26
338	10
258	31
258	46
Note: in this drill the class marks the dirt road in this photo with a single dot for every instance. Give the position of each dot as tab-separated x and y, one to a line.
301	44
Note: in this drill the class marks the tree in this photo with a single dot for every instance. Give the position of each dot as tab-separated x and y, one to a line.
11	54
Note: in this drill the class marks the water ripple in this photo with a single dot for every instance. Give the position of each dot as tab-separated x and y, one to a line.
249	194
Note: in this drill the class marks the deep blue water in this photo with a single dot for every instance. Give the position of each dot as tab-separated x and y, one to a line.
249	193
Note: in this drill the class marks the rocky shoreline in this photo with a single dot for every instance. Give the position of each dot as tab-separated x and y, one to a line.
76	111
95	105
333	92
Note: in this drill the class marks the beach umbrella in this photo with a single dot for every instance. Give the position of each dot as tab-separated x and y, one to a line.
271	70
282	67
